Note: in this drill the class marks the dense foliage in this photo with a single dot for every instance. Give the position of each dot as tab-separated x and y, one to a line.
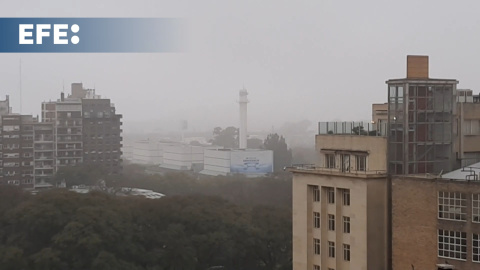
282	155
191	228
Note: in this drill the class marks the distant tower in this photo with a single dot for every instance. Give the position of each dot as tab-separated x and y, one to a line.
243	119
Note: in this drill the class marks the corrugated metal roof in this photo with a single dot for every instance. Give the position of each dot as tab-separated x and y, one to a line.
471	172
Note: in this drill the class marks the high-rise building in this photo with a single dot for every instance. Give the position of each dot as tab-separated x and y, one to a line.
87	130
44	154
66	116
17	149
102	141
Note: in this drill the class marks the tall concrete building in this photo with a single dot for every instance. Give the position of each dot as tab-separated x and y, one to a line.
66	116
399	212
340	205
17	149
44	154
101	131
87	130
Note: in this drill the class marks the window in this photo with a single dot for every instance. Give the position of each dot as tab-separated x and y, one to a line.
476	248
452	244
316	267
330	161
331	195
316	194
316	246
361	162
316	219
346	224
346	196
452	205
475	207
11	128
331	222
346	252
331	249
345	162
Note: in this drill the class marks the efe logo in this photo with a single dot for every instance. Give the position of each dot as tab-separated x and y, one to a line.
60	33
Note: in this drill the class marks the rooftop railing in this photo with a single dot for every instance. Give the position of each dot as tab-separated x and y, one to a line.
315	168
353	128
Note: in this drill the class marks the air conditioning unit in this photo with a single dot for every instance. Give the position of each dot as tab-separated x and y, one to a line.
444	266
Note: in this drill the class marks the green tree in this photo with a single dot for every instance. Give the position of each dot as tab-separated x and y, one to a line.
273	242
80	175
282	156
227	138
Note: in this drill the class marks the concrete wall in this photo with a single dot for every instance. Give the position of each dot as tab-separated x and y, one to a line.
376	147
379	112
183	155
377	213
217	161
465	144
362	201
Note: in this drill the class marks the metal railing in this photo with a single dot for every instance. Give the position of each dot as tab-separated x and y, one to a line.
353	128
313	167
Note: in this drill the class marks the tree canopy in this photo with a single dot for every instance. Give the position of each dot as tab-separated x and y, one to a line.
227	137
282	155
60	230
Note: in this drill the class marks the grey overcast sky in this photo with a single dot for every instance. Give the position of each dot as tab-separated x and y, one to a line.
315	60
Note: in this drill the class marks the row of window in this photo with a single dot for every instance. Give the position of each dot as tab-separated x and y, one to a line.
331	222
317	267
453	245
17	182
360	162
330	191
331	249
453	206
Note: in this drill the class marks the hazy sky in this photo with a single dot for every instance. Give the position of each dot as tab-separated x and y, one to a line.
315	60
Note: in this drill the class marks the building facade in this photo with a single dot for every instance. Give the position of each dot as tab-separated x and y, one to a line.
435	221
340	206
101	133
17	149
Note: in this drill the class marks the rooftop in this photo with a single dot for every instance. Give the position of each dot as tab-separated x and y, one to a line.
468	173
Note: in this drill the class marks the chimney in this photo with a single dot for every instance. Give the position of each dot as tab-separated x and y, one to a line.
417	66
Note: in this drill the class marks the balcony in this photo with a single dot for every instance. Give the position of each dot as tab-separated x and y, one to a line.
313	169
353	128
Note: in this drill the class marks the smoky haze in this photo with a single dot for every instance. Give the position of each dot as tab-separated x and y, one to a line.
300	60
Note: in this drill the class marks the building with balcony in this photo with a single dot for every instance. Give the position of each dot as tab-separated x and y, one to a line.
44	154
102	141
86	130
17	149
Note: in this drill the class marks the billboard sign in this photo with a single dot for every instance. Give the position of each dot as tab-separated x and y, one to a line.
251	162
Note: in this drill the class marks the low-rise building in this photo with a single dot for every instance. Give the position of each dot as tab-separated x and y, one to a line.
436	220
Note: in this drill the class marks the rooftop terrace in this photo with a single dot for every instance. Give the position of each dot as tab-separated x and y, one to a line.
353	128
